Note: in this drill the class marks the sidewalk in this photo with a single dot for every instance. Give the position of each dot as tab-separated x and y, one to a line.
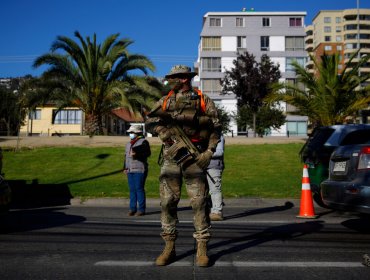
115	141
152	202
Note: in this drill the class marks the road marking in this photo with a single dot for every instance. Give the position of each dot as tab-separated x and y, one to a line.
138	263
297	264
236	264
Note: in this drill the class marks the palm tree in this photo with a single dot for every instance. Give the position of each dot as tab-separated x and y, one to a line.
326	96
96	77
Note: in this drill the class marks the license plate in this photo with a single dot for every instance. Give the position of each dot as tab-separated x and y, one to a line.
340	166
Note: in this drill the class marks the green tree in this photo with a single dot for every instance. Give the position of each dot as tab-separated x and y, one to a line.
250	81
96	77
12	109
266	118
326	97
224	119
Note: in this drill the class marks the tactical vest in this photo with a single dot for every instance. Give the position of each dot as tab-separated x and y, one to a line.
189	110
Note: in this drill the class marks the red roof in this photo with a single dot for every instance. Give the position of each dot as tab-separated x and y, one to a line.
126	115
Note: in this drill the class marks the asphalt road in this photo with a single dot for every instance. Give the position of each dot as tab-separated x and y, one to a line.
257	240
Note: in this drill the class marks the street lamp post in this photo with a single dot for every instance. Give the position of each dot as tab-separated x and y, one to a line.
358	35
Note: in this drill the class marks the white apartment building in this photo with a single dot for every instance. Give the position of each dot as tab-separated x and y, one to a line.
224	35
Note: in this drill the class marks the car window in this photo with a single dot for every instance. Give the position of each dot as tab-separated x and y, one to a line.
356	137
314	146
320	137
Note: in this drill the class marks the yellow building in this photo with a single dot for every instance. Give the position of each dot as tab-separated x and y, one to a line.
47	121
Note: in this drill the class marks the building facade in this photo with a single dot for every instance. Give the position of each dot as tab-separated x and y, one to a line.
340	31
48	121
225	35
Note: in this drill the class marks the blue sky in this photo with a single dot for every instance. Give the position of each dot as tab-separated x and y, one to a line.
165	31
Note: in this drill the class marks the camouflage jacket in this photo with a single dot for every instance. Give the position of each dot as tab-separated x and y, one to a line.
196	114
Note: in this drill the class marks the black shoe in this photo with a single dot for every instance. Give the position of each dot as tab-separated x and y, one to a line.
131	213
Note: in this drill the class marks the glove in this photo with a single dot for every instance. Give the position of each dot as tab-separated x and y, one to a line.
164	134
204	159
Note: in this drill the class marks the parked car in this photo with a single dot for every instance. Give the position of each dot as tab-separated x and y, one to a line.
5	193
348	185
322	143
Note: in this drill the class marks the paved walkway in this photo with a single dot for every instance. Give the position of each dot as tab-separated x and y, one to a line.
254	202
113	141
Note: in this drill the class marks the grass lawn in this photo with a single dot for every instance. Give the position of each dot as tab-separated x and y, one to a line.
269	170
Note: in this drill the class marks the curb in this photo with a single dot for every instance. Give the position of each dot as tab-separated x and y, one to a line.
153	202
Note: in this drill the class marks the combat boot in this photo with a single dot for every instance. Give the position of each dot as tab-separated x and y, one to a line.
168	255
202	258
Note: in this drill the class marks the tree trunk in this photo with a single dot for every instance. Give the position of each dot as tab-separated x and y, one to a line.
8	128
254	125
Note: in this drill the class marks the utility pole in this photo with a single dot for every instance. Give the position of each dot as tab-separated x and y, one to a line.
358	35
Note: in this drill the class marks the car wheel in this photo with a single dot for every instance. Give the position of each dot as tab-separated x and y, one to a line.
317	198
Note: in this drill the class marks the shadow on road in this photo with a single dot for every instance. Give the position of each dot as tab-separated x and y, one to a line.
179	209
286	206
283	232
35	195
34	219
362	224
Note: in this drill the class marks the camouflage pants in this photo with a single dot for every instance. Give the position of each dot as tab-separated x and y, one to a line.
171	179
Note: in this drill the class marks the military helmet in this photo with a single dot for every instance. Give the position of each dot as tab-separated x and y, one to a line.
181	70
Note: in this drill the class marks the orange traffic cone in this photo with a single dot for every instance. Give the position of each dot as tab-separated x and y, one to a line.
306	210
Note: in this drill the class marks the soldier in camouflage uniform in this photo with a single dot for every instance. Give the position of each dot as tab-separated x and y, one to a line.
196	114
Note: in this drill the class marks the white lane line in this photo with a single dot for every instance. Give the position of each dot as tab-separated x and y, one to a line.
297	264
237	264
138	263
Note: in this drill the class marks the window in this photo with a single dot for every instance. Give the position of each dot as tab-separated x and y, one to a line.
289	63
327	48
214	22
35	114
294	43
211	43
338	29
266	22
294	82
339	48
327	38
211	64
327	19
338	20
241	42
338	38
239	22
67	116
295	22
211	86
298	128
265	43
350	46
327	29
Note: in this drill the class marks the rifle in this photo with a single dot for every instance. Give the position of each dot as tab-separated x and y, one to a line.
182	150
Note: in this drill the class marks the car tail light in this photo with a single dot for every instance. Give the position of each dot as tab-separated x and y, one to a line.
364	159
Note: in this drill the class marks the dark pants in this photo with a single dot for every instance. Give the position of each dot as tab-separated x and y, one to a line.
136	183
